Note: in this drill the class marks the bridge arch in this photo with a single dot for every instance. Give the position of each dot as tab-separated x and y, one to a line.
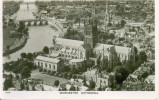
32	23
26	23
38	22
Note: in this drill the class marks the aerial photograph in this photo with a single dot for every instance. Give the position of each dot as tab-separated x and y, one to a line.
78	45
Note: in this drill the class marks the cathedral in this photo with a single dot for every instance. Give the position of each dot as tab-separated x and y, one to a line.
68	49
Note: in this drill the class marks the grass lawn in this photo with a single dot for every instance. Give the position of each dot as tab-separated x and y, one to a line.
47	79
6	37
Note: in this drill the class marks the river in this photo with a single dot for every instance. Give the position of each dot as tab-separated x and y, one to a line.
39	36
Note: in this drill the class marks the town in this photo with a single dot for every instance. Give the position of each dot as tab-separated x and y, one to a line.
79	45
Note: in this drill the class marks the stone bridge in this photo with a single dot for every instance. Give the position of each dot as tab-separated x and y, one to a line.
34	22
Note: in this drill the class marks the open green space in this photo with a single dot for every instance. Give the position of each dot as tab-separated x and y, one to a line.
47	79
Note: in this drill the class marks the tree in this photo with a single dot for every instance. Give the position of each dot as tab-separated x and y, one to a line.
7	84
110	42
92	84
45	70
40	70
25	31
74	70
46	50
111	36
8	47
66	68
56	83
65	75
22	87
25	72
23	55
143	56
29	55
120	74
72	88
144	75
53	72
84	81
21	27
123	23
74	76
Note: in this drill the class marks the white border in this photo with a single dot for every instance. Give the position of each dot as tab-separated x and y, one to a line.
101	95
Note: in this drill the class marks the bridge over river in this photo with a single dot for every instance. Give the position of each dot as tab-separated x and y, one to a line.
33	22
39	36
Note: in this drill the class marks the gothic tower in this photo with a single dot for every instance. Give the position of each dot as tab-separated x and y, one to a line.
106	20
90	32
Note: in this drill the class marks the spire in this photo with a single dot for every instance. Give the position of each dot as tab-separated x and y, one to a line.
27	6
102	56
106	16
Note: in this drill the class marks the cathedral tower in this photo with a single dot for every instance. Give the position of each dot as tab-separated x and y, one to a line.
90	32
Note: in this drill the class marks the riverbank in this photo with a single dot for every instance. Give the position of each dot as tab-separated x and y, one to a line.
17	45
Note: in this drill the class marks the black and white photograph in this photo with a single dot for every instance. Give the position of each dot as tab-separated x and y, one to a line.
78	45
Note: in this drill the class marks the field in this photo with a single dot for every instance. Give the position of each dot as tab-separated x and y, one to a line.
47	79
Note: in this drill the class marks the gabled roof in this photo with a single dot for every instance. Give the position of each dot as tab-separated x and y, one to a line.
118	49
150	79
100	46
69	42
47	59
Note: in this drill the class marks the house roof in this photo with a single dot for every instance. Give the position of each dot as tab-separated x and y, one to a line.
133	76
47	59
150	79
76	60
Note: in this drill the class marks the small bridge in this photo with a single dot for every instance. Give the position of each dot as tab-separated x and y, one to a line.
34	22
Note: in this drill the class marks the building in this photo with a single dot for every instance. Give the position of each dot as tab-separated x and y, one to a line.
78	63
89	48
101	79
52	64
149	83
136	80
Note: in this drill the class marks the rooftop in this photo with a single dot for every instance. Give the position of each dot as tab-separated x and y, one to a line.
47	59
76	60
69	42
98	46
150	79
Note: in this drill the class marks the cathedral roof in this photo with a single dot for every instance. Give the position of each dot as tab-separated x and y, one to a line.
122	50
118	49
69	42
98	46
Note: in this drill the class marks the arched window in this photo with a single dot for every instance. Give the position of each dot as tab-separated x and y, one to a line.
81	55
50	66
38	63
46	65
